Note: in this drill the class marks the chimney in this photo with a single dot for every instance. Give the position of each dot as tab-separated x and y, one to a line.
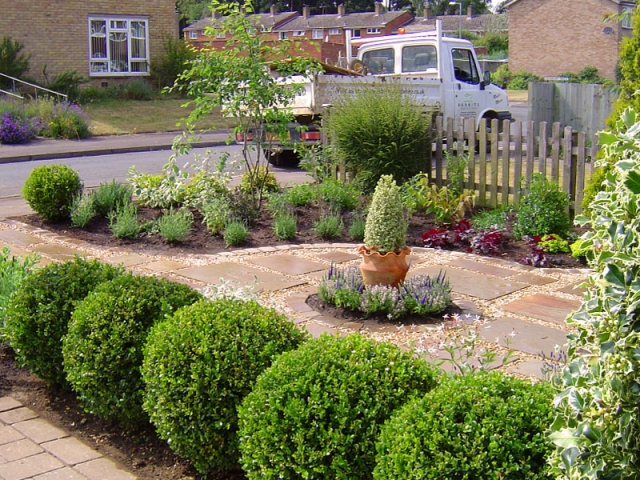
341	10
470	11
306	11
378	7
274	9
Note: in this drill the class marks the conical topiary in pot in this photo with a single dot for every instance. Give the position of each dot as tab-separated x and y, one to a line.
385	250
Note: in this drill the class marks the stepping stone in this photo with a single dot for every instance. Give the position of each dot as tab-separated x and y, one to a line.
472	283
530	368
574	289
480	267
128	260
338	257
315	329
524	336
543	307
13	237
533	279
447	364
14	251
267	282
289	264
58	252
162	266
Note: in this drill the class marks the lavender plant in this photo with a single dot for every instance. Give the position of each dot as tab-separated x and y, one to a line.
15	130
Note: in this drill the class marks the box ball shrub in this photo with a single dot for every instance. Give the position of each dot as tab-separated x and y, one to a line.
316	412
102	350
544	209
38	314
50	190
200	364
481	426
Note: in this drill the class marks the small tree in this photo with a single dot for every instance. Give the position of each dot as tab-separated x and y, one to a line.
628	71
240	79
12	61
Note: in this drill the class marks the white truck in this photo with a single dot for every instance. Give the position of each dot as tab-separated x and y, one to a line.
441	73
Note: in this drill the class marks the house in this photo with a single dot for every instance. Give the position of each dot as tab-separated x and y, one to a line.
477	24
551	37
322	36
108	41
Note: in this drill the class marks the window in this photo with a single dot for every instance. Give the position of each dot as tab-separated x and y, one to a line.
464	66
355	33
419	58
283	35
626	18
298	33
265	28
379	62
221	34
193	34
317	33
118	46
372	31
334	31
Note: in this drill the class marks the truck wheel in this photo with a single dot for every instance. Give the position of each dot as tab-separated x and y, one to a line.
284	158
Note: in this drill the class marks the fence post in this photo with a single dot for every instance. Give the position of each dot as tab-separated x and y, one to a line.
580	171
439	149
567	167
471	158
555	152
517	163
542	149
506	151
495	144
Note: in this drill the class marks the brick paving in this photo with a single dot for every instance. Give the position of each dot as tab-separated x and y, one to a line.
530	304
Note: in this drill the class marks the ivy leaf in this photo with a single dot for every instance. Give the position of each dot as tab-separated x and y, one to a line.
632	182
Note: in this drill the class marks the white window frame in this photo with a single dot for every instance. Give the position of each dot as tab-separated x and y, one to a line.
283	35
626	21
265	28
334	31
317	34
373	30
355	33
193	34
298	33
105	66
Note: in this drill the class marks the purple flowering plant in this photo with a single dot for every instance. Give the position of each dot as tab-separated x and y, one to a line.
15	130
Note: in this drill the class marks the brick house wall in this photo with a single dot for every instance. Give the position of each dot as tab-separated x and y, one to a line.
56	33
550	37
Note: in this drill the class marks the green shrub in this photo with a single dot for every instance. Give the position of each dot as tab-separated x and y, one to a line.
235	233
595	185
12	271
380	131
166	67
329	226
204	186
480	426
82	210
586	75
301	195
102	350
124	221
110	196
485	219
136	90
455	167
39	313
502	76
50	189
521	80
67	83
278	204
316	413
146	187
285	226
553	244
175	225
68	121
543	209
339	195
200	364
261	179
216	213
12	61
495	42
356	229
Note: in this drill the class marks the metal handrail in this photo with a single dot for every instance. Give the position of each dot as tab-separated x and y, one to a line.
12	94
37	87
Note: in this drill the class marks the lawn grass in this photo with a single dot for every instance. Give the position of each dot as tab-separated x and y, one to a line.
114	116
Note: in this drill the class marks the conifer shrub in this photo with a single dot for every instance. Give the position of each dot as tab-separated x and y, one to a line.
102	351
480	426
200	364
50	190
39	312
316	412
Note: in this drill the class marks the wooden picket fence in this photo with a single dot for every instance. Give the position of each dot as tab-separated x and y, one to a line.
501	161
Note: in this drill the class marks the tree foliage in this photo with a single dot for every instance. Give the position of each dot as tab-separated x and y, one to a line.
629	72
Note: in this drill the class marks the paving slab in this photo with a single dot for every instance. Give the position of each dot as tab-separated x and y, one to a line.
315	329
473	283
17	415
14	251
289	264
575	288
543	307
70	450
533	279
338	257
527	337
31	466
481	267
19	449
58	252
242	274
8	403
39	430
103	469
66	473
9	434
19	239
530	368
162	266
128	260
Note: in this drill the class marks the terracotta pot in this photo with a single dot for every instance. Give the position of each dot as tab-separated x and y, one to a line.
388	269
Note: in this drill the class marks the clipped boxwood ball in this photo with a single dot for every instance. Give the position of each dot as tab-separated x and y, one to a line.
482	426
49	190
39	312
102	351
200	364
316	413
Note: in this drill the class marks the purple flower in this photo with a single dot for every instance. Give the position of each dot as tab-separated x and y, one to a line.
14	130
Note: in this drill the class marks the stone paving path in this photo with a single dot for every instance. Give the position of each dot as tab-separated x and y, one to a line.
526	305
